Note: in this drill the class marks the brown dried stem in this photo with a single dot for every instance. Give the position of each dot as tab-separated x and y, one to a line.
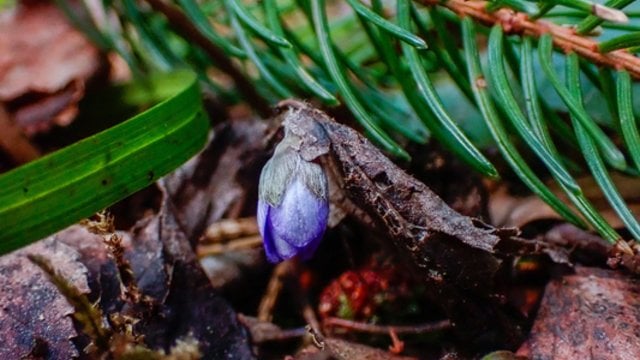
564	38
384	329
268	302
13	141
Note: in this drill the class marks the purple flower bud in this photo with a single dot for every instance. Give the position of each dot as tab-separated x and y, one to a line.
293	206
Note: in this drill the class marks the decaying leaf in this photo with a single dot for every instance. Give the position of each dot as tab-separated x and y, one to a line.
222	181
186	302
459	258
338	349
35	319
592	314
510	210
177	308
44	66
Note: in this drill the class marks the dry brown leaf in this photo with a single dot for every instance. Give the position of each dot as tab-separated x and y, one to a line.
592	314
508	210
339	349
44	66
34	317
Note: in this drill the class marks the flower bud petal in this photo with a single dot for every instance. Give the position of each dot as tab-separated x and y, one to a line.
295	225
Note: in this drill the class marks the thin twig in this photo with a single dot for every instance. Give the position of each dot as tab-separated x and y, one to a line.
262	332
564	38
384	329
268	302
230	229
249	242
183	26
13	141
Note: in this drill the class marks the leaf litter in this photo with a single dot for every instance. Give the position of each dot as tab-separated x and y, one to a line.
484	283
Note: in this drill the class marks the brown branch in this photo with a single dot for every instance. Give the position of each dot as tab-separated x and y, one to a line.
268	302
183	26
13	141
564	38
384	329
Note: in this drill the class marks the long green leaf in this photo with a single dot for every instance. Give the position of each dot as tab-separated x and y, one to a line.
499	133
612	154
498	77
59	189
321	27
592	156
628	124
428	93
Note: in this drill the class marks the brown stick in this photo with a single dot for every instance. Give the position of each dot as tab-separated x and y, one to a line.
13	141
564	38
384	329
186	29
268	302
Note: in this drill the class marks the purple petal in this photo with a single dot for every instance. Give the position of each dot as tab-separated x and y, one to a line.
299	222
266	230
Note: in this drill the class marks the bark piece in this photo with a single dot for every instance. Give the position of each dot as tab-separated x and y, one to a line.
592	314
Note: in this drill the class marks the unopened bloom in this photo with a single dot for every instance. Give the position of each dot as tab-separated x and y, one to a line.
293	205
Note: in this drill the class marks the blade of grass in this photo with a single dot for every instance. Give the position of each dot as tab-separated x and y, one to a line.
464	147
592	156
337	74
508	150
59	189
499	82
611	154
628	123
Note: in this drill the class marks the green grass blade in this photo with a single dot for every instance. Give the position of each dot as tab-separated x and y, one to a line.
199	19
463	146
508	150
337	74
499	82
59	189
246	18
592	156
271	10
611	154
401	33
628	124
